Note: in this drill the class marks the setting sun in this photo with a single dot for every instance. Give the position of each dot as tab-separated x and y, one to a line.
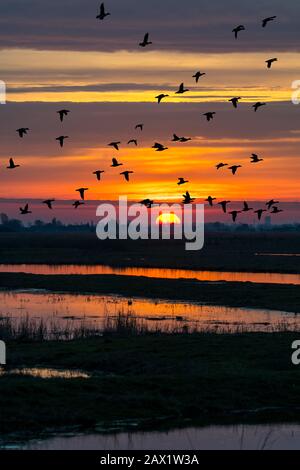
168	218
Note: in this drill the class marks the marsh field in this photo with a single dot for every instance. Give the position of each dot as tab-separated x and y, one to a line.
144	337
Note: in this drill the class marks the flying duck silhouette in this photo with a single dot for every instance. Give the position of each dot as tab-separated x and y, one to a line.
161	97
25	210
259	213
187	199
238	29
234	215
12	165
103	14
234	168
139	126
210	200
82	191
269	62
255	158
61	139
221	165
147	202
181	89
224	205
182	181
159	147
76	204
258	105
62	113
209	116
49	203
276	210
98	174
235	101
126	174
247	208
115	163
22	131
267	20
146	41
180	139
114	145
271	203
132	141
198	75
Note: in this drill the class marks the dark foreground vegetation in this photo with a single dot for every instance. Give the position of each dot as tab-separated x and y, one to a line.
222	251
144	380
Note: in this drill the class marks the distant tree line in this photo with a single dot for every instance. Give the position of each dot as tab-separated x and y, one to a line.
16	225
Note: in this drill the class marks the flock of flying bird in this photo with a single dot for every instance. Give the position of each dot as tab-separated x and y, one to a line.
158	147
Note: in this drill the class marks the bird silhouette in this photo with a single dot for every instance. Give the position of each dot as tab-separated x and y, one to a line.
182	181
49	203
115	145
276	210
180	139
147	202
76	204
224	205
159	147
258	105
161	97
247	208
255	158
267	20
12	165
103	14
238	29
25	210
269	62
271	203
139	126
235	101
181	89
187	199
259	213
115	163
61	139
198	75
82	191
210	200
234	168
209	116
234	215
146	41
62	113
22	131
98	174
132	141
126	174
221	165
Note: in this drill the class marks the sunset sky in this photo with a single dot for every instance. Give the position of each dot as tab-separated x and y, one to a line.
55	54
